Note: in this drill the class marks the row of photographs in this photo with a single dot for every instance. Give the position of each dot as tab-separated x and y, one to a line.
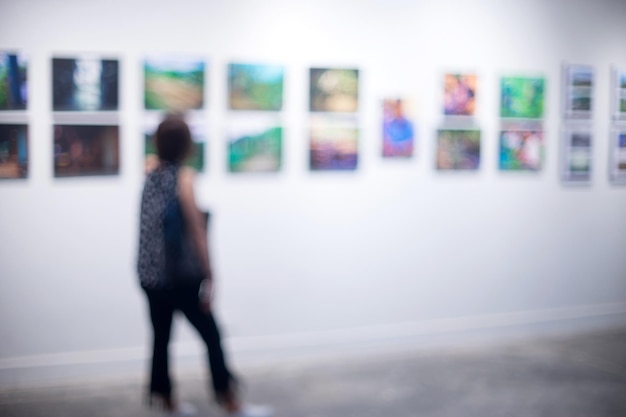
91	84
86	150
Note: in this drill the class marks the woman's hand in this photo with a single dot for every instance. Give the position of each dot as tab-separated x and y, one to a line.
205	295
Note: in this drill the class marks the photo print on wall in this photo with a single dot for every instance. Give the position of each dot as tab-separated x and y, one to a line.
577	155
578	81
255	145
13	81
618	155
13	151
521	147
334	90
173	84
398	129
459	94
195	160
458	150
86	150
85	84
333	145
522	98
255	87
618	93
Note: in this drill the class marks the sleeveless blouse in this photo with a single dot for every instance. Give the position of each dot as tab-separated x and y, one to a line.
160	187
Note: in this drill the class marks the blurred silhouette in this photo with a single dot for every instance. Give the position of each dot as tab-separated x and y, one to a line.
175	271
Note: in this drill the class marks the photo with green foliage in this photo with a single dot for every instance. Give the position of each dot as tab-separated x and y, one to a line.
13	82
256	152
255	87
522	97
173	85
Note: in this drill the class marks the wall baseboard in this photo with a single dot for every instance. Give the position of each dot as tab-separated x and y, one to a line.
59	368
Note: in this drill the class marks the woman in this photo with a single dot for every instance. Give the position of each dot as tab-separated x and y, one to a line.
171	185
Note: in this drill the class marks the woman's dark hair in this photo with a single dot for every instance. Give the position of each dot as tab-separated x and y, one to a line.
173	139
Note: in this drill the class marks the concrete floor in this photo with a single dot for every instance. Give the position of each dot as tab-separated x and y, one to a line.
582	375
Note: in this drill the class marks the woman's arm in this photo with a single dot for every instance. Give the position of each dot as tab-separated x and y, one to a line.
194	219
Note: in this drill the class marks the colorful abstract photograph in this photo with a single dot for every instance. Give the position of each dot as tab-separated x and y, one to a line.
13	82
522	97
460	94
458	149
173	84
13	151
255	87
334	90
521	150
398	130
333	148
85	84
255	149
86	150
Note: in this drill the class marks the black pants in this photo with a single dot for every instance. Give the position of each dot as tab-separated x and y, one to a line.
163	303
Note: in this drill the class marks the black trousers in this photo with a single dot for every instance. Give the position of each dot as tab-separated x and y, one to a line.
163	304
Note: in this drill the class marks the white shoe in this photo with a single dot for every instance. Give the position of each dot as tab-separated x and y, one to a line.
184	409
249	410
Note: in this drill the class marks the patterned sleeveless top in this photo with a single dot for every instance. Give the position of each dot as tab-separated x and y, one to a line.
160	187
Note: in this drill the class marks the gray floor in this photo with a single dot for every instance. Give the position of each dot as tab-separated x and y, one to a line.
581	375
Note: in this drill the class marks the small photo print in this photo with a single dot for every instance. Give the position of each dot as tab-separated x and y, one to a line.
578	91
522	97
618	156
458	150
255	147
85	84
577	156
173	84
618	94
398	129
460	94
86	150
521	149
333	146
13	81
196	158
334	90
255	87
13	151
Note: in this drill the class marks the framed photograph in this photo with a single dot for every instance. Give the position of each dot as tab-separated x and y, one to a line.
86	150
577	155
85	84
578	81
618	93
459	94
333	145
521	148
618	155
173	84
522	98
334	90
13	81
398	129
195	160
458	150
255	146
255	87
13	151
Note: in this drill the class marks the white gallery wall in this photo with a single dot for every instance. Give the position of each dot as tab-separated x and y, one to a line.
312	253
